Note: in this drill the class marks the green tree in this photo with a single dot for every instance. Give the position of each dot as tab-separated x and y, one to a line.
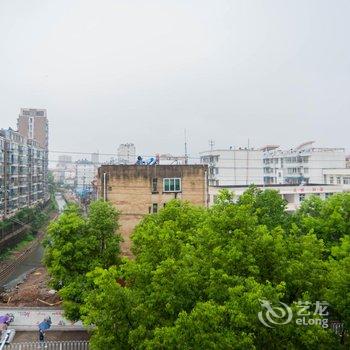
329	219
198	276
338	292
76	245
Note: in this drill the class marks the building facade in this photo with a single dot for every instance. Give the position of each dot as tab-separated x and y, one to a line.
126	153
337	177
85	174
293	194
33	124
303	164
23	180
232	167
137	190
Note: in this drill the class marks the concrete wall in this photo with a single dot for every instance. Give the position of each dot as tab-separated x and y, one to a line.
29	318
129	188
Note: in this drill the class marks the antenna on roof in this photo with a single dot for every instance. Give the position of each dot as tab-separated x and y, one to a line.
211	144
186	155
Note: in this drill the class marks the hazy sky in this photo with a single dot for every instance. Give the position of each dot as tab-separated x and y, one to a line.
109	72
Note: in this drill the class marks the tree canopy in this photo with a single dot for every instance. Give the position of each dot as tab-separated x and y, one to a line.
76	245
198	276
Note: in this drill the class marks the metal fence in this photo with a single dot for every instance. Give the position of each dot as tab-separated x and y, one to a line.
51	345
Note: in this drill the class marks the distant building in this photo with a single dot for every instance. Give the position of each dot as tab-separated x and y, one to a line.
65	171
95	158
137	190
85	173
303	164
241	166
126	153
293	194
33	124
64	161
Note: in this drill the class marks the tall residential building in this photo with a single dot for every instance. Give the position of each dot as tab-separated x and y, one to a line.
234	167
64	161
22	173
126	153
85	174
95	158
301	165
33	124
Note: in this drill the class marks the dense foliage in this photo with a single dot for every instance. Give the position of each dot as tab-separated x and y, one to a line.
76	245
199	275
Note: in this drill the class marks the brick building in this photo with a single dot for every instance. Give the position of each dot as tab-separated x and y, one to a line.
137	190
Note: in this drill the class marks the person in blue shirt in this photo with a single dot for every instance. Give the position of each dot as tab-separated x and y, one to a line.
44	326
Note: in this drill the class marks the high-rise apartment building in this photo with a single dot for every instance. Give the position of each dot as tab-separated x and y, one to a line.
33	124
22	178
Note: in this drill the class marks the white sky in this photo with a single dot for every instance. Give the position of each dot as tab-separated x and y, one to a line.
112	71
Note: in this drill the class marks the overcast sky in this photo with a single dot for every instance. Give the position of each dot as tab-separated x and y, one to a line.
109	72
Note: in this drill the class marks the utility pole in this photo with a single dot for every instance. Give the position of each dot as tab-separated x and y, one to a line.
247	169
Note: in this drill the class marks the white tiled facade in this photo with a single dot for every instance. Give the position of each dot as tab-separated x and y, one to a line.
303	164
340	177
240	166
85	174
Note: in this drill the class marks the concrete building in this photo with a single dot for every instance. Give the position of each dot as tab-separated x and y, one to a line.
241	166
293	194
65	171
126	153
137	190
22	173
85	174
303	164
33	124
337	177
95	158
64	161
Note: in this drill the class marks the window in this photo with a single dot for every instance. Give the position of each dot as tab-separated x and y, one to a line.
301	197
155	185
154	208
306	170
172	185
338	180
346	180
331	180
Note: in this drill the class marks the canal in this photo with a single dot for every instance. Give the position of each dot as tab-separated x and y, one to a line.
33	260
